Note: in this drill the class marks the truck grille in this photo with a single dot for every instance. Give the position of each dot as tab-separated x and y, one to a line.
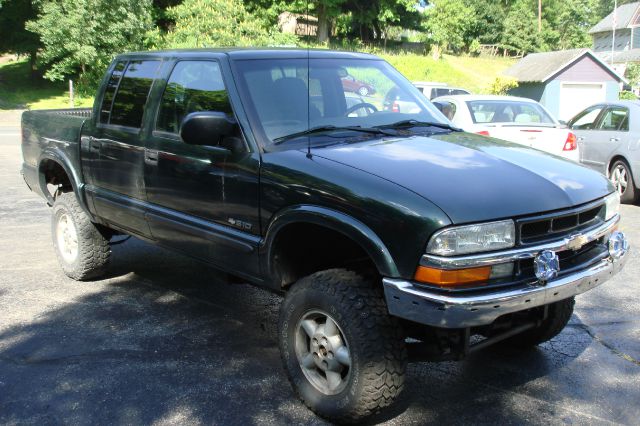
556	225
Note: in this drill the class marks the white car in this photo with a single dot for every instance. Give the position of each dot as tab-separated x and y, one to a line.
518	120
432	89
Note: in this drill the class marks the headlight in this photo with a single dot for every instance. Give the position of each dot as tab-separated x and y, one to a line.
473	238
612	205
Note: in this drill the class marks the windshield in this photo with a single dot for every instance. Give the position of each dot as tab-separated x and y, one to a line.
291	96
492	111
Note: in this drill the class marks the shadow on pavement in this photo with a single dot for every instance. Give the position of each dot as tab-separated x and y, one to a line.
170	340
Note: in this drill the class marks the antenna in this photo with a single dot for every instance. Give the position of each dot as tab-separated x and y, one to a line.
308	31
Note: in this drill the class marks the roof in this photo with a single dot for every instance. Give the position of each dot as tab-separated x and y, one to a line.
254	53
624	17
468	98
541	67
620	56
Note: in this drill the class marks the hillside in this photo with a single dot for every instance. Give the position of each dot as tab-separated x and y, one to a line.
18	91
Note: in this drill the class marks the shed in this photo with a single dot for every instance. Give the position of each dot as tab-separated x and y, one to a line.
565	81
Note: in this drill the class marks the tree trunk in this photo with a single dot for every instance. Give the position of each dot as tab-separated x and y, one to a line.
32	64
323	24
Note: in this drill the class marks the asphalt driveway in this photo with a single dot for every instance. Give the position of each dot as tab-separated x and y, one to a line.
166	340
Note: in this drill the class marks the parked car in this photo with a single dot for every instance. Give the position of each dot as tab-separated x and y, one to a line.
609	139
433	90
351	84
390	235
520	120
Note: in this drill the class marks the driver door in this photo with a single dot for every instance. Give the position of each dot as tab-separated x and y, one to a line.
584	125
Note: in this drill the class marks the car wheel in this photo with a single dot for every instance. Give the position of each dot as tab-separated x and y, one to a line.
557	318
82	250
622	179
343	353
363	91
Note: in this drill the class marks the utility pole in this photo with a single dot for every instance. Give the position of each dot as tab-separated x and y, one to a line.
613	34
539	15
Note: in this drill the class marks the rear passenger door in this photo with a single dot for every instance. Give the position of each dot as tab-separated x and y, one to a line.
118	187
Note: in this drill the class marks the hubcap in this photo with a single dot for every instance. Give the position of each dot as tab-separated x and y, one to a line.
620	178
323	352
67	239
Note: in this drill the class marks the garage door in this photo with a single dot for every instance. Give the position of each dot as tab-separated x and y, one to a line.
574	97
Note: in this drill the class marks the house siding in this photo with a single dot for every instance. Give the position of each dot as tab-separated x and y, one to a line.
585	70
602	41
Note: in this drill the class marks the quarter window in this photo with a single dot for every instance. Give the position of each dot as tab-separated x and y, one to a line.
131	96
110	91
193	86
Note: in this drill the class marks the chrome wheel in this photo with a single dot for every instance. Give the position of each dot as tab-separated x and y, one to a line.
620	178
323	352
363	91
67	238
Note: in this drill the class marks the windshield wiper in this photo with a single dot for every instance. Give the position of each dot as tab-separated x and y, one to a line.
415	123
330	128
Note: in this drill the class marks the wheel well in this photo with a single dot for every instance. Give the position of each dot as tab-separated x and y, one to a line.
301	249
55	177
613	161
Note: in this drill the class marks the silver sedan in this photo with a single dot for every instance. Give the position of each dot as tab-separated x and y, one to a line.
609	140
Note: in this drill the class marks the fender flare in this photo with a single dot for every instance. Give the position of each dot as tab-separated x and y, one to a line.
340	222
64	161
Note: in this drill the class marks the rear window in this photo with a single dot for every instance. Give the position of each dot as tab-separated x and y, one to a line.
508	112
131	96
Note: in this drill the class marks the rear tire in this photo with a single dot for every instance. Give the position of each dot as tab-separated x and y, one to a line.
343	353
622	179
557	319
82	250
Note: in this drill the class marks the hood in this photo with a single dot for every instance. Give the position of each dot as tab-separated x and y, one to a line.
473	178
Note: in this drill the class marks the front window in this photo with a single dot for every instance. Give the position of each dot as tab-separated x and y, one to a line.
493	111
290	96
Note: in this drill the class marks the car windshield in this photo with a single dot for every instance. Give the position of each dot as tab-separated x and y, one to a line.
506	111
290	96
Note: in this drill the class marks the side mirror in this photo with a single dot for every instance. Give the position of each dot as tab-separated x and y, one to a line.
206	128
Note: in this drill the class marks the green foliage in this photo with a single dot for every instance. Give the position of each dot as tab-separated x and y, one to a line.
626	95
632	73
217	23
567	23
501	85
521	29
80	37
448	22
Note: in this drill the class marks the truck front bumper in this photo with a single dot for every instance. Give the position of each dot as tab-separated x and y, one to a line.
411	302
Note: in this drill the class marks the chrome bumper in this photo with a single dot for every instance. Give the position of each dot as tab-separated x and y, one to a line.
405	300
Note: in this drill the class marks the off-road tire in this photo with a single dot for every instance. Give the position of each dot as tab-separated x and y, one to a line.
557	318
375	340
629	195
93	249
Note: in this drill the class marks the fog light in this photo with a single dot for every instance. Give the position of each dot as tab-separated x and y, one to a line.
618	245
546	265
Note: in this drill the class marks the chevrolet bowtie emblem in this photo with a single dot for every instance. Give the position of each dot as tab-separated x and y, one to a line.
575	242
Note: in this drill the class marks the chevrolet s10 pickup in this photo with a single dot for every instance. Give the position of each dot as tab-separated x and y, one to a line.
392	235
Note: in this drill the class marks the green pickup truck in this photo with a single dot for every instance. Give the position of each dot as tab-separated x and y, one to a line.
392	235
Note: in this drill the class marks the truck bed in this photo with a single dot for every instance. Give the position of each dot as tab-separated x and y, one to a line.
54	131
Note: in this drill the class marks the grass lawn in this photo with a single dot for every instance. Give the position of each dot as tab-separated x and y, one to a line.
474	74
19	91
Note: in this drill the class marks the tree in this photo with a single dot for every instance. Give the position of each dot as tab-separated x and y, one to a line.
212	23
14	37
447	24
521	28
80	37
568	23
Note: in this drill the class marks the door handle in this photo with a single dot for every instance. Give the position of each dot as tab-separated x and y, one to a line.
94	145
614	139
151	157
580	138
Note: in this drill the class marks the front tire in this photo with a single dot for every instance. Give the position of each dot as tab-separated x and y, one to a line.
82	250
622	179
558	317
343	353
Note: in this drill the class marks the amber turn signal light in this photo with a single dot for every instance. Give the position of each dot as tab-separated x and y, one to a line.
454	277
